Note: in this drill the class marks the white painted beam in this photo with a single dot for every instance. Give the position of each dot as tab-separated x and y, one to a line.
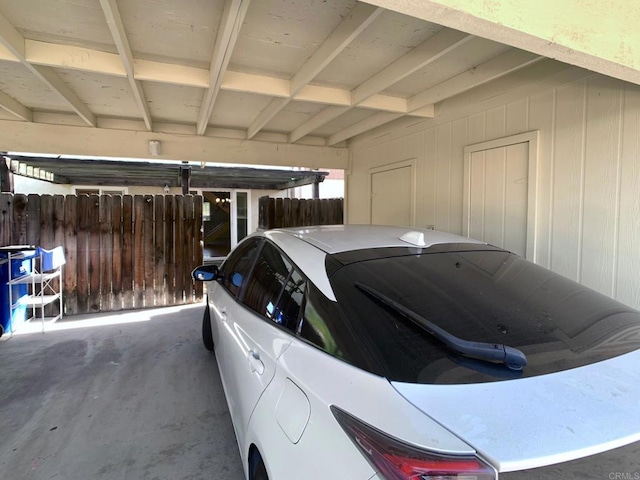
114	21
171	73
600	36
358	19
15	43
11	39
276	105
94	61
317	121
256	84
100	142
497	67
365	125
14	107
232	18
55	83
72	57
429	51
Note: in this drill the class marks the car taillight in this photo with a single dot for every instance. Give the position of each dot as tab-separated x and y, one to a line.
396	460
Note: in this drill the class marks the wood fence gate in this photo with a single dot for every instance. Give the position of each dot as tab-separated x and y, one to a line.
294	212
122	252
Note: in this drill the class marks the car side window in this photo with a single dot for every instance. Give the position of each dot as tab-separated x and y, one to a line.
275	289
323	324
237	267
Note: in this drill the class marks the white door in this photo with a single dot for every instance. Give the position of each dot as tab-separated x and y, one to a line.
497	196
392	195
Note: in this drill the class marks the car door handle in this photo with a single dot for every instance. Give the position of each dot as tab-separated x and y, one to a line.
255	362
223	314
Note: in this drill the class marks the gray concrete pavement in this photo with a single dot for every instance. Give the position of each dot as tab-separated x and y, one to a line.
137	399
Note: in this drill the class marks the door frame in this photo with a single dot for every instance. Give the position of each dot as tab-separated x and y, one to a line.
233	214
532	138
412	163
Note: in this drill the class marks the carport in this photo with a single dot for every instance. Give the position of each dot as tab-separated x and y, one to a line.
496	120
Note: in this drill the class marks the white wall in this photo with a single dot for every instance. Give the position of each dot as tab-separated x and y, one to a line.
587	223
27	185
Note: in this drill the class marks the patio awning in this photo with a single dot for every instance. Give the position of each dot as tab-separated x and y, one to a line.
74	171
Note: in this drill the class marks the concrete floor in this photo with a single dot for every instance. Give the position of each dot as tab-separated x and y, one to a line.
127	396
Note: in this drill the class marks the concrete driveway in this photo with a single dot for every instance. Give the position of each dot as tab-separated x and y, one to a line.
124	396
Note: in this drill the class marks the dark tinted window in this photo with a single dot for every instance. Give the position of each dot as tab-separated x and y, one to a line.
275	288
237	266
291	300
324	325
484	296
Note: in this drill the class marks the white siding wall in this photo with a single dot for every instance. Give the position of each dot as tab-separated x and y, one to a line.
588	199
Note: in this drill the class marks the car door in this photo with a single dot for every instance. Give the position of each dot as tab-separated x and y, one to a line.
224	296
262	328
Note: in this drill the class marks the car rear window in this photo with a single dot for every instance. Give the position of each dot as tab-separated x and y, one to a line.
480	294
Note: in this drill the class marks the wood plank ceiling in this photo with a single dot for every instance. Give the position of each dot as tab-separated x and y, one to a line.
315	72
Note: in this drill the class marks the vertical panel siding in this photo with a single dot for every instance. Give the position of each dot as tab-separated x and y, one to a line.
628	261
567	194
588	206
517	120
429	178
541	116
496	122
600	184
443	177
458	142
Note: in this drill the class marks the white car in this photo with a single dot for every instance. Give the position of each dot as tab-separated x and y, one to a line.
364	352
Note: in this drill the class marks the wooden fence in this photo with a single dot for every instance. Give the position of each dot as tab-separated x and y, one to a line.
293	212
122	252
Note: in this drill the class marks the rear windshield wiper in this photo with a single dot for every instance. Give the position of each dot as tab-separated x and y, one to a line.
492	352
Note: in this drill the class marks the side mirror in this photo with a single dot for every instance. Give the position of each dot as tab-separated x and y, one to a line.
205	273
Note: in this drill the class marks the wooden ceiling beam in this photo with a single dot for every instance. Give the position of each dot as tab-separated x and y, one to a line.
365	125
322	118
492	69
427	52
94	61
114	21
14	107
232	18
14	42
358	19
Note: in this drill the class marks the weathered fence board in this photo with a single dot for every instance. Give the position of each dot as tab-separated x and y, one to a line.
158	254
169	249
116	253
122	252
149	248
70	269
84	223
293	212
94	253
127	252
106	253
179	250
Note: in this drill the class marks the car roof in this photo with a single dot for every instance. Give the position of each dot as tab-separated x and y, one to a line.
308	247
341	238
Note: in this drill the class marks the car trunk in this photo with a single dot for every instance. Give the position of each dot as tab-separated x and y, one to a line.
545	420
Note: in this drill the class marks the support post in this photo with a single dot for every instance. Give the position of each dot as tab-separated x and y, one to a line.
6	175
185	176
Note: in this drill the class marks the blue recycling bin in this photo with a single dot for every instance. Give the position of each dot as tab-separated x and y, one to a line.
15	262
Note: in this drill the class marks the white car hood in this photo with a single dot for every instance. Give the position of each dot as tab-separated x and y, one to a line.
531	422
